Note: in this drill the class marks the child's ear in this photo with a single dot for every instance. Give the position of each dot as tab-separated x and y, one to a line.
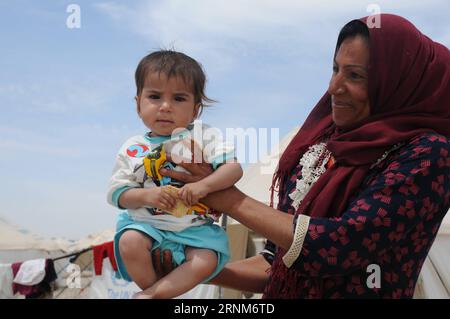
138	106
196	111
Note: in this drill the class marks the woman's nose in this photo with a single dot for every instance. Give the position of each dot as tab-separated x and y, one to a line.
336	85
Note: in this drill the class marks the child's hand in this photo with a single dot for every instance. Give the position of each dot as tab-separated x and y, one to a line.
161	197
192	193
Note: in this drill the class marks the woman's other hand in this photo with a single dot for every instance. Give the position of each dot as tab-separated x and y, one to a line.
198	171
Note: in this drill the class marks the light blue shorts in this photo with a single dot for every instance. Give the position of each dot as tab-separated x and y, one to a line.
208	236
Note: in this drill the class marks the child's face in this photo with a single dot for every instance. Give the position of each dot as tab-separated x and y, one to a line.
166	104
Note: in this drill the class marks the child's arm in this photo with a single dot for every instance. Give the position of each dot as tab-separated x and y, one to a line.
225	176
157	197
125	191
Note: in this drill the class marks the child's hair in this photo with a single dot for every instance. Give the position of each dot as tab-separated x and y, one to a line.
173	63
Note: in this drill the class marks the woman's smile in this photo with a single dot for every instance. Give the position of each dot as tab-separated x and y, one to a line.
339	104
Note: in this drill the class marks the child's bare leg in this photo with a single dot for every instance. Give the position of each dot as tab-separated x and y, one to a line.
199	264
135	250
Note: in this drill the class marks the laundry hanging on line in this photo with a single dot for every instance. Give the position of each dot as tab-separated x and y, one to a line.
32	281
34	278
101	252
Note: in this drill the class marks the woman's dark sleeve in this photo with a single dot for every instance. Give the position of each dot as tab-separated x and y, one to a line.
269	251
410	193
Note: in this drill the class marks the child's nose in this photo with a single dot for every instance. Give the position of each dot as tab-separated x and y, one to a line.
165	105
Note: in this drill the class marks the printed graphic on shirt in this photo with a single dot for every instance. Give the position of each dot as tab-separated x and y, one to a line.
138	150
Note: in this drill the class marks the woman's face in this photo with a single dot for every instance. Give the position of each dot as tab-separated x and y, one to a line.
349	83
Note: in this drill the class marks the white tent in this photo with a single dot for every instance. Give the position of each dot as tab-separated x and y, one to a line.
258	177
434	280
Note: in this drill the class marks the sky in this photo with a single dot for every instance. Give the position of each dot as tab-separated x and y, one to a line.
67	93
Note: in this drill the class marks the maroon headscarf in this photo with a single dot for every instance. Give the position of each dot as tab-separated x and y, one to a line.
409	92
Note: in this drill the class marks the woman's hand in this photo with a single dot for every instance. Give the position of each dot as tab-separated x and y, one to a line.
198	171
196	164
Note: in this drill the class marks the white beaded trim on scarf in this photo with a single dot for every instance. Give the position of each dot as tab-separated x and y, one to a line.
313	166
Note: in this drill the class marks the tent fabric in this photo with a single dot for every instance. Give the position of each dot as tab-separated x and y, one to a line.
16	238
257	177
434	280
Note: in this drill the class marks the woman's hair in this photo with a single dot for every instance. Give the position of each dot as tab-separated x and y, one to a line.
351	30
172	63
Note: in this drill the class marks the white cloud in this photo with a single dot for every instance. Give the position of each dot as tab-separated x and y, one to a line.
21	148
16	142
71	143
251	20
221	32
57	96
444	37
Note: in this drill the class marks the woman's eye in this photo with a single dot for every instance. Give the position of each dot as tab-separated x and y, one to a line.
355	75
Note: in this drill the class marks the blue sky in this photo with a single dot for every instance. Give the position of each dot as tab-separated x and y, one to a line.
66	95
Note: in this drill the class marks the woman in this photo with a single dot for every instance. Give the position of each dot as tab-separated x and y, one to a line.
366	180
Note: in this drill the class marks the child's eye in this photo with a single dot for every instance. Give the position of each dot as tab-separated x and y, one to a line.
180	99
335	69
153	96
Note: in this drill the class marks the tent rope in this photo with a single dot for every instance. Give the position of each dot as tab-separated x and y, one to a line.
74	255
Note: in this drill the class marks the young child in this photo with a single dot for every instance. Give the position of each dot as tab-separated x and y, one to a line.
170	95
